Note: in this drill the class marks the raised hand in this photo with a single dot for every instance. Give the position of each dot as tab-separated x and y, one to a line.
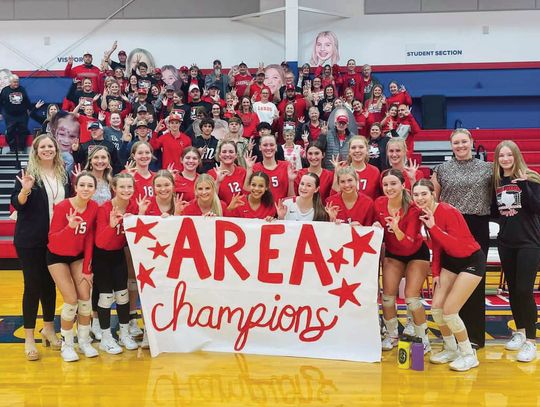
143	203
324	129
115	217
179	204
73	219
89	278
236	201
427	218
292	173
27	181
101	116
337	163
76	170
131	167
75	145
281	209
172	170
221	173
522	176
332	211
250	160
393	221
305	136
39	103
411	168
160	126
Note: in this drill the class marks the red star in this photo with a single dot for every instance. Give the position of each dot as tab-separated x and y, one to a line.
346	293
158	250
142	229
144	276
360	245
336	258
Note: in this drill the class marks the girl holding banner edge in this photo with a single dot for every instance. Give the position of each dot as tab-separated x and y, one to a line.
458	267
406	253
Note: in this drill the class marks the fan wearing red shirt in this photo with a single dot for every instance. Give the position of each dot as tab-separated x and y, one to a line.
280	173
86	70
396	153
352	206
458	261
230	178
407	127
398	95
406	254
259	203
250	119
207	202
255	88
352	79
110	265
298	101
172	143
69	255
315	157
184	181
242	80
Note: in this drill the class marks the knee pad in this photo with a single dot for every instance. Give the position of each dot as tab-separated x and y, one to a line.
105	300
454	322
132	284
68	312
437	315
413	303
121	297
85	308
388	301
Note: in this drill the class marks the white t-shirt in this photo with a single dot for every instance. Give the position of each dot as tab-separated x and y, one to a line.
266	111
293	155
293	212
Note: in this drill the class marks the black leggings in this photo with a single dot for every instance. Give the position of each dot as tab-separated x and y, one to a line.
519	267
38	285
110	274
473	312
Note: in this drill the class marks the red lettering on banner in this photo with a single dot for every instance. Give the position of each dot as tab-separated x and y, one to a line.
266	254
283	318
193	251
308	238
228	253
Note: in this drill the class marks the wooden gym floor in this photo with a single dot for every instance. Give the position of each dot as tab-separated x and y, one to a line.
220	379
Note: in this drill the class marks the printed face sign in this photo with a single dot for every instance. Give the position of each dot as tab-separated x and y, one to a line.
246	285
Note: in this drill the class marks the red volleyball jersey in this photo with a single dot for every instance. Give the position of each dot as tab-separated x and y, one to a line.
451	235
143	186
184	186
246	211
66	241
153	208
232	184
361	212
409	224
108	238
325	185
279	180
369	181
193	209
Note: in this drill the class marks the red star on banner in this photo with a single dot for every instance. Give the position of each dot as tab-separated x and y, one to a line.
144	276
336	258
346	293
142	229
158	250
360	245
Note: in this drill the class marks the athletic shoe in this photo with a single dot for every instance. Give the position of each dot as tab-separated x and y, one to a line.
427	345
88	350
134	329
516	342
144	343
95	329
128	342
109	345
465	362
68	353
443	357
527	352
389	343
409	328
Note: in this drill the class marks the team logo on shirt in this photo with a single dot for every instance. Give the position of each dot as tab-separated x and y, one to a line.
509	199
15	98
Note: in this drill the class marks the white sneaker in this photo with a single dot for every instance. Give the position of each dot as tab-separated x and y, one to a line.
128	342
527	353
445	356
144	343
465	362
95	329
109	345
516	342
409	328
134	329
389	343
68	353
88	350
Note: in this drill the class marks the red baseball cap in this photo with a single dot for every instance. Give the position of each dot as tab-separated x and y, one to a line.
342	118
290	86
184	68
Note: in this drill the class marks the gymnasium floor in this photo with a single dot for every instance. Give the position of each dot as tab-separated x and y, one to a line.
219	379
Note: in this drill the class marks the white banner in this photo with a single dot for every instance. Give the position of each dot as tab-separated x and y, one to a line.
246	285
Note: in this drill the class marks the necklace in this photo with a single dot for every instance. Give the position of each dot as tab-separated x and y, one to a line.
54	190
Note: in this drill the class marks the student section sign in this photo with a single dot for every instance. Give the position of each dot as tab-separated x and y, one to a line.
245	285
